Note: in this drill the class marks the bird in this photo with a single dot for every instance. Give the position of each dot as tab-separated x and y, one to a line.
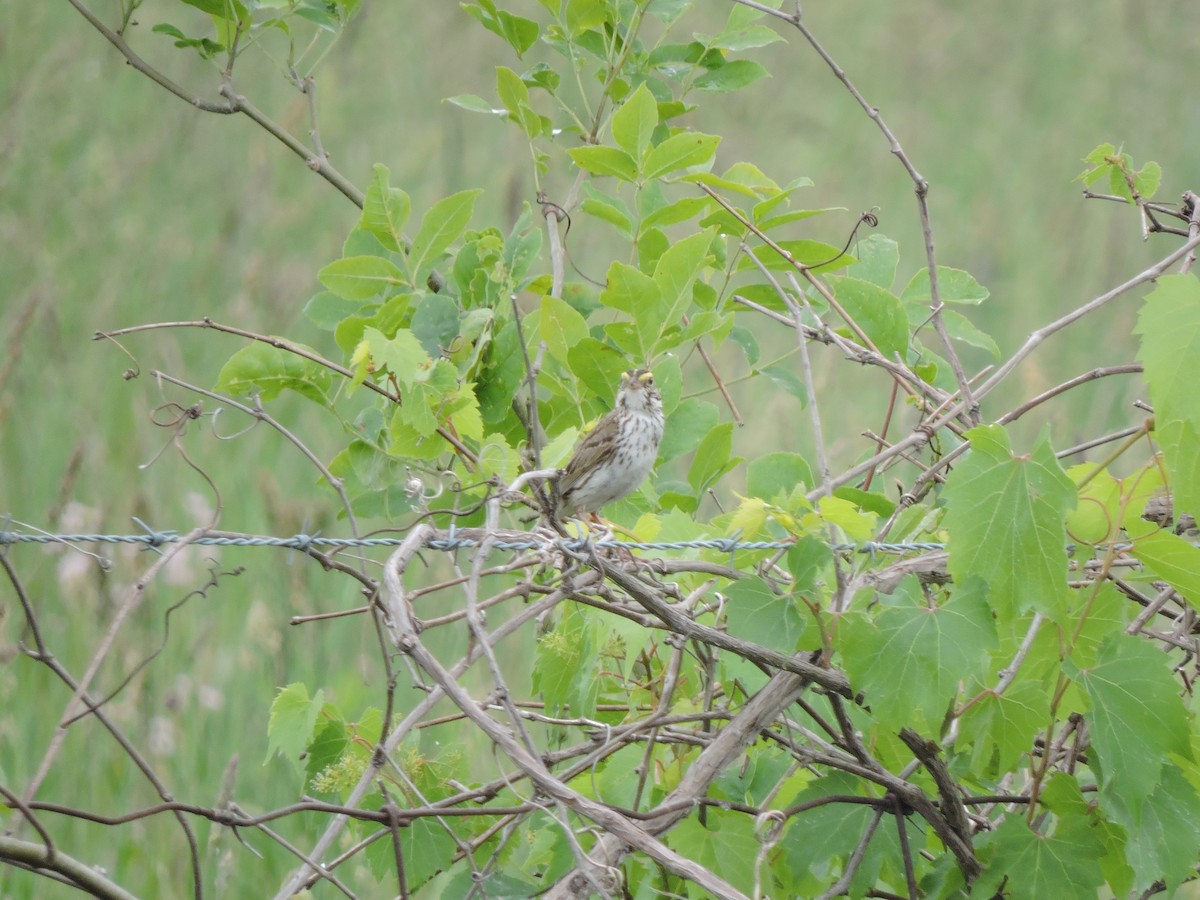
615	457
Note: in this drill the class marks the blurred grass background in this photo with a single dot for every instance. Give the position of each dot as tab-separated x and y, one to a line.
120	205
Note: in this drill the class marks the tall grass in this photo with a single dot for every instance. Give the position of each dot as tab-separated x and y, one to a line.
119	204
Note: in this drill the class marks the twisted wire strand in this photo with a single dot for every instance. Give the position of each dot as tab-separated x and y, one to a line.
153	538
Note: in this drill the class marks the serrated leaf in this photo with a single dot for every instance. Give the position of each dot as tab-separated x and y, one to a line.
1062	865
326	748
443	224
725	845
1147	179
361	277
1161	842
402	355
1002	726
566	663
773	474
756	613
1136	718
293	718
1173	559
1005	519
910	659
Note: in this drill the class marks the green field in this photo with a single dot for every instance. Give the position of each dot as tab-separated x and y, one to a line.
122	205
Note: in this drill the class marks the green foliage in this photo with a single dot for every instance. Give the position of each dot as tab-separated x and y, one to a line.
1133	185
461	353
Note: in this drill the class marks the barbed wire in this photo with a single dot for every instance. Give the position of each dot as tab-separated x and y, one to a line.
153	539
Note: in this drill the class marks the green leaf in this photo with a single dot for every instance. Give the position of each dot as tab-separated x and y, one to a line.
514	94
326	748
756	613
443	224
787	379
772	474
674	273
635	121
1062	865
680	151
1002	726
674	213
1147	179
636	294
385	210
910	660
1136	719
560	327
712	458
607	209
1163	838
816	255
731	76
687	426
878	259
435	323
361	277
747	38
954	286
269	370
1169	325
326	309
877	311
725	845
402	356
1173	559
960	328
475	103
293	719
582	15
597	365
605	161
824	832
566	664
1019	546
520	33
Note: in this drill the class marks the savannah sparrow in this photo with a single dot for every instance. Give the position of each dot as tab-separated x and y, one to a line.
619	452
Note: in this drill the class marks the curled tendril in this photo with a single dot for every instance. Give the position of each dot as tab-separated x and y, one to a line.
175	415
867	218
